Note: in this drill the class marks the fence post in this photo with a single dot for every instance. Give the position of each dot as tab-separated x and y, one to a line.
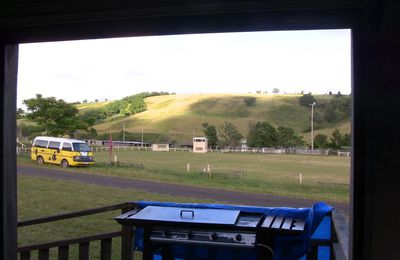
127	238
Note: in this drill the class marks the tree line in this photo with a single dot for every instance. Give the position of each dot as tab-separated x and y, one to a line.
263	134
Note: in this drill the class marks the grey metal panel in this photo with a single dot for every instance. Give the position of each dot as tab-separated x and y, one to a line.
278	222
187	215
287	224
298	225
268	221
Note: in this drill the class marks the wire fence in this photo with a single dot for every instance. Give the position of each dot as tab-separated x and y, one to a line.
300	151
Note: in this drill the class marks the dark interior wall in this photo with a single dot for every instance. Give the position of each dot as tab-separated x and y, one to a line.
41	20
384	171
375	166
8	178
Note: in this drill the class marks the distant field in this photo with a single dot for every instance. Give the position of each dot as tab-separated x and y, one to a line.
91	105
323	177
180	117
39	197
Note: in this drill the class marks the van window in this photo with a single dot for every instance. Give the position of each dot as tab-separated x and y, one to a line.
41	143
54	145
81	147
67	147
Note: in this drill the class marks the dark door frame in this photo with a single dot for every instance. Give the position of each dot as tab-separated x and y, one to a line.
253	16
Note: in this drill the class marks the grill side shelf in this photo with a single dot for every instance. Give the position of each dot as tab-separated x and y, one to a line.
282	223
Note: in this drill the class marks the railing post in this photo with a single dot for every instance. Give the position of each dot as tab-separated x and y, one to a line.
44	254
63	253
106	249
84	251
127	239
25	255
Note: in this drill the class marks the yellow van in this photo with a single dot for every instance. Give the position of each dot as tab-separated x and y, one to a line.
62	151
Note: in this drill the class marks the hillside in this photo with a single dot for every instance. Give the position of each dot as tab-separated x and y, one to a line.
180	117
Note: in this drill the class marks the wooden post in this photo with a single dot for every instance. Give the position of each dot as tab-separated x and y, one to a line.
127	239
8	176
115	158
188	167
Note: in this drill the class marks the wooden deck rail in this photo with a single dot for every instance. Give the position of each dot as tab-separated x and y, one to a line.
105	239
338	242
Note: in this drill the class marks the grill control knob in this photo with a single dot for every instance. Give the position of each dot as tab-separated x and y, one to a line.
213	236
238	237
166	233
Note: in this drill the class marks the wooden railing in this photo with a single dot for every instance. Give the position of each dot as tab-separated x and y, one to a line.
126	234
338	241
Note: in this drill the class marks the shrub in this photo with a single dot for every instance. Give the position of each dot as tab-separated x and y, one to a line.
306	100
28	130
250	101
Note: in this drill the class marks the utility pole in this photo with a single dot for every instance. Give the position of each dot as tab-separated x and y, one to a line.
312	125
123	132
142	133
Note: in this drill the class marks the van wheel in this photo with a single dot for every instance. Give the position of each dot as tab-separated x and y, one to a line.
64	163
39	160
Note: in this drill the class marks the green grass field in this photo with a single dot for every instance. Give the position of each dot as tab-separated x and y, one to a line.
39	197
323	177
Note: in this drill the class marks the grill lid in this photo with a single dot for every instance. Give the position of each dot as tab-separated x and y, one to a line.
186	215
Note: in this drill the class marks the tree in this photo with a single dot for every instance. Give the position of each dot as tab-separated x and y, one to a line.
20	113
229	135
320	141
250	101
56	116
346	140
336	139
306	100
275	90
330	93
211	133
262	134
286	137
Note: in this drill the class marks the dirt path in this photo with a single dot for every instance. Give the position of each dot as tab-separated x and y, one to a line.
233	197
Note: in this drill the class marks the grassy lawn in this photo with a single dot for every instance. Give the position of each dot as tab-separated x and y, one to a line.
39	197
323	177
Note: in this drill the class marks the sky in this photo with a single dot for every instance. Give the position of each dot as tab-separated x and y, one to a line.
315	61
